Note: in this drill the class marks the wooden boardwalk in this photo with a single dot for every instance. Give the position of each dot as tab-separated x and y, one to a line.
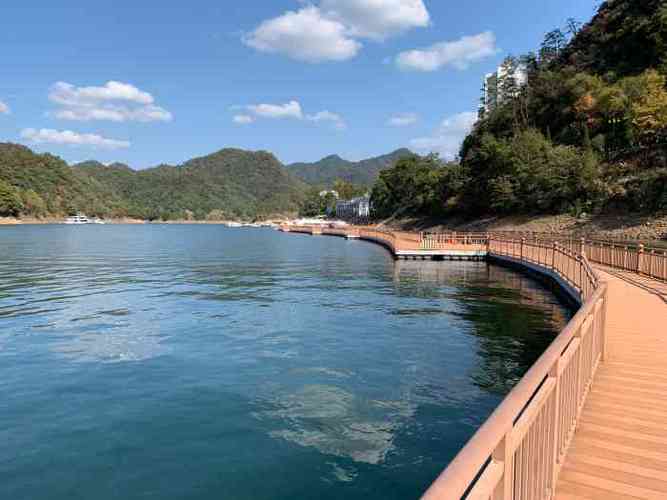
618	428
620	446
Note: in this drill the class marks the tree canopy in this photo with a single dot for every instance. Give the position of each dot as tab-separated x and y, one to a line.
584	130
228	184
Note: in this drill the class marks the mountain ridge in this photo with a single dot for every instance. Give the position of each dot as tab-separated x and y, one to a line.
230	182
331	168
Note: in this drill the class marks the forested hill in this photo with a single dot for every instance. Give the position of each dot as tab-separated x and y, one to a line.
625	36
230	183
586	133
332	168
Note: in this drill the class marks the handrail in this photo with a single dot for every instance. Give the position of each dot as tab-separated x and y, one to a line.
622	254
518	451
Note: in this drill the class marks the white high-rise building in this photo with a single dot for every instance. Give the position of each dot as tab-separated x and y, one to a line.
494	90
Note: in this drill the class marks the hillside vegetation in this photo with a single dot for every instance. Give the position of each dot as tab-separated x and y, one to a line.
333	168
230	183
587	133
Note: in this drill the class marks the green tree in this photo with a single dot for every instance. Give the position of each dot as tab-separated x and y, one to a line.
216	215
347	190
412	186
649	109
10	201
554	42
33	204
315	204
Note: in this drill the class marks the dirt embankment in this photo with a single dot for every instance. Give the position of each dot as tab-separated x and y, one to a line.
609	226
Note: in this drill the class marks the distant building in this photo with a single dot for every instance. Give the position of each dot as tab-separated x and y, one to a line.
331	192
495	87
354	210
489	92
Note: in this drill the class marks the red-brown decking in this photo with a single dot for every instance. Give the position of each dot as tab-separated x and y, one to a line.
620	445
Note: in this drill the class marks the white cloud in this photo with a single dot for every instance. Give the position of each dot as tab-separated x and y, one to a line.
243	119
330	31
458	54
291	109
448	137
4	109
69	95
67	137
377	19
115	114
403	119
304	35
114	101
328	116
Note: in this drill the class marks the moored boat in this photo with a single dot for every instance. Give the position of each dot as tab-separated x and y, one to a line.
79	218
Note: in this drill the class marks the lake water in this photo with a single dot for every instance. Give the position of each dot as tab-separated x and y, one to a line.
202	362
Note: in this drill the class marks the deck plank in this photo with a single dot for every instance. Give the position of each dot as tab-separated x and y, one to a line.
619	449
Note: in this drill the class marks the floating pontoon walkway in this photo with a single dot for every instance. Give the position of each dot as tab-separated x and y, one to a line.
589	419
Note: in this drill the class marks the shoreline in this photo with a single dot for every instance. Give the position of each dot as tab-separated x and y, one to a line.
19	221
650	229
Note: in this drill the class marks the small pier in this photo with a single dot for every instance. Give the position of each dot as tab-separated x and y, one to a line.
405	245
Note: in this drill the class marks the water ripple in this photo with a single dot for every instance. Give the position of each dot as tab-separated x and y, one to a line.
194	361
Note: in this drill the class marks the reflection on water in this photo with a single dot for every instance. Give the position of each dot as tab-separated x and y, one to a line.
203	362
336	422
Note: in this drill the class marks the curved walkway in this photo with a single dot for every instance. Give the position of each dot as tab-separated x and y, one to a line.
619	449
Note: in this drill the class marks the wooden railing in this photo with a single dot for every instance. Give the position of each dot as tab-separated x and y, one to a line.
518	452
441	241
651	262
388	238
294	228
629	256
572	267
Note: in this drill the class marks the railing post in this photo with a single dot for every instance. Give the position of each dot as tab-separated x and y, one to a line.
553	256
523	242
650	263
503	454
603	354
582	247
640	258
579	334
555	373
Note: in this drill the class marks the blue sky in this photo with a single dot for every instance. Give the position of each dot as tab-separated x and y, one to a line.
301	79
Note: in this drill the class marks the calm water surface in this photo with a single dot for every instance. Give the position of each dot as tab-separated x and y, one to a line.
202	362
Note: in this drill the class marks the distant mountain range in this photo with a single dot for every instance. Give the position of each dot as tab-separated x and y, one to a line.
230	183
364	172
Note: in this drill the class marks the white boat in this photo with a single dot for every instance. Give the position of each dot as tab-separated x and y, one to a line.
97	220
234	224
77	219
